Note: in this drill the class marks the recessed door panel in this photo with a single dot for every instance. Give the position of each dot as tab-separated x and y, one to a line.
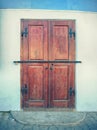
36	82
60	85
60	42
36	42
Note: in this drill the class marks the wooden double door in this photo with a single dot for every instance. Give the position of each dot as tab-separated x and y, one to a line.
47	69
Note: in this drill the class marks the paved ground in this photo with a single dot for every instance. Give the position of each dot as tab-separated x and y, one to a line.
48	120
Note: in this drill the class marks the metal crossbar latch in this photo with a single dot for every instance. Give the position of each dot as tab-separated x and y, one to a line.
47	61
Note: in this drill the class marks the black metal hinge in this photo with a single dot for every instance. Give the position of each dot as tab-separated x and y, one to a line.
24	33
71	33
71	91
24	89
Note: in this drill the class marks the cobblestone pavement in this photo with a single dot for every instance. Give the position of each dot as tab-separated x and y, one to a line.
8	122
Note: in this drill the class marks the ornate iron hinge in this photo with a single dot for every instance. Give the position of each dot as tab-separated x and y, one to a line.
71	91
71	33
25	32
24	90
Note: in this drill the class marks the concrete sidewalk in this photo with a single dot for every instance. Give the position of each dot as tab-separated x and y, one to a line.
48	120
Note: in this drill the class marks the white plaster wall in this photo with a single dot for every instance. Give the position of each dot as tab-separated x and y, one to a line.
86	51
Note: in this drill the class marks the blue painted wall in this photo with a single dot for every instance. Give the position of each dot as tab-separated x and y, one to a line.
82	5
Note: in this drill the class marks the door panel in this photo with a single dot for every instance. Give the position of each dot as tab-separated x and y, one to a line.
48	84
60	77
60	42
36	82
36	85
36	42
60	85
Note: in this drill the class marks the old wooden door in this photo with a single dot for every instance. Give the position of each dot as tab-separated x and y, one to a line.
47	69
